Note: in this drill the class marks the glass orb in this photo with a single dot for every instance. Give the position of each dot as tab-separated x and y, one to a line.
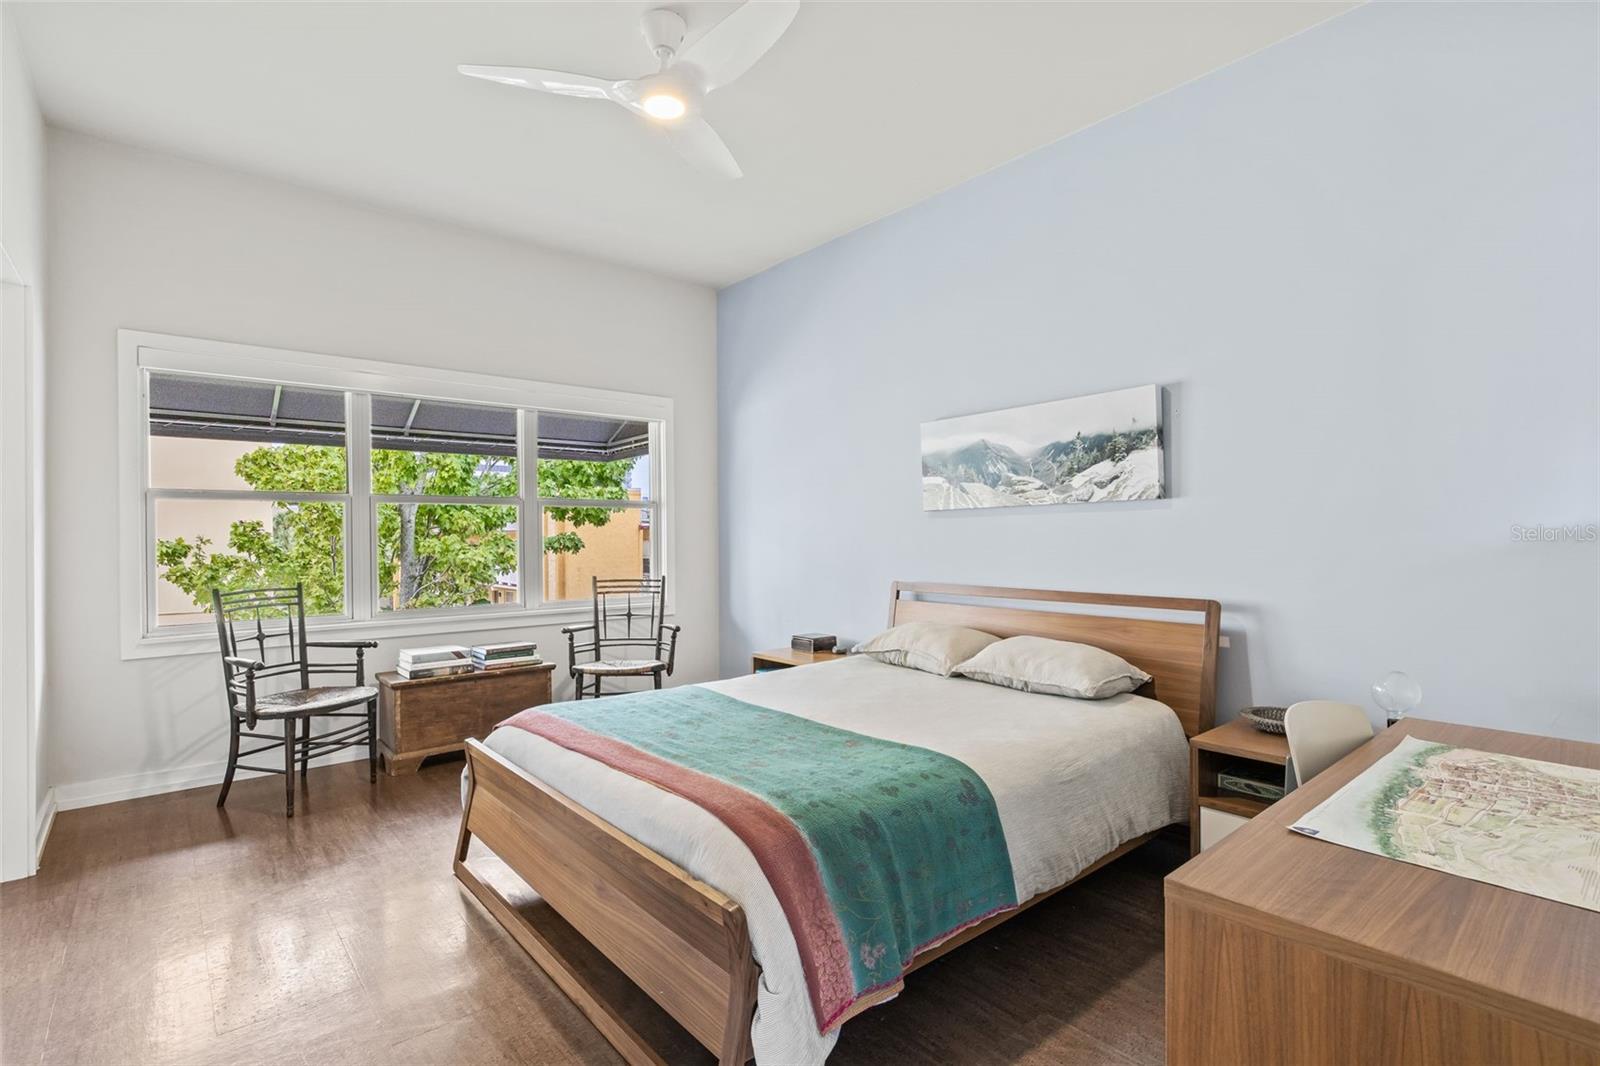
1397	694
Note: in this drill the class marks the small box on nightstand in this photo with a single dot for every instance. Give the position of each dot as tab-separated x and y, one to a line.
813	642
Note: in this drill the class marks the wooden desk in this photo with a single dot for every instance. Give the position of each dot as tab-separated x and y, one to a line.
1286	949
784	658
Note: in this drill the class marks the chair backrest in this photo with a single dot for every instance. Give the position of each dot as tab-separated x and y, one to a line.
628	611
266	625
1321	732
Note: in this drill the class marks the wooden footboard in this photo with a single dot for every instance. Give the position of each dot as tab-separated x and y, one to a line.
680	940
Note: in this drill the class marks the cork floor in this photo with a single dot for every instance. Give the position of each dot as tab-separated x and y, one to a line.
162	930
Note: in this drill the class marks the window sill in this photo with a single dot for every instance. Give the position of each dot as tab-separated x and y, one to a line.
205	643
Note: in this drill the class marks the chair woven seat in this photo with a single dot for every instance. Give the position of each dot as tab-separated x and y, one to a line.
621	667
629	618
317	700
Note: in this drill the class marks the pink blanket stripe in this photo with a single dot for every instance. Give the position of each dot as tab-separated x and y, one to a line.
782	852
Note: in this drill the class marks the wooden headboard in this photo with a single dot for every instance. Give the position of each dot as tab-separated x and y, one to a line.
1180	656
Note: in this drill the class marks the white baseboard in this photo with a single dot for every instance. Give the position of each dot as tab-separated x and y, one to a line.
43	821
155	782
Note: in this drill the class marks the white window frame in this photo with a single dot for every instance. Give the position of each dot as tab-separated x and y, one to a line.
139	353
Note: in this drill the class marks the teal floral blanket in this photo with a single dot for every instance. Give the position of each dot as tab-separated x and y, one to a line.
876	850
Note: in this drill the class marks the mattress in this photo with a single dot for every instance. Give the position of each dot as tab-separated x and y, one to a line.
1071	779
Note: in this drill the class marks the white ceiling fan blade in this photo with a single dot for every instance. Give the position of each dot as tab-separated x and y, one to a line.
549	81
627	94
698	143
733	45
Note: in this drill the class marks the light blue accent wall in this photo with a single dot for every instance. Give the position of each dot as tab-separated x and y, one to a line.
1363	265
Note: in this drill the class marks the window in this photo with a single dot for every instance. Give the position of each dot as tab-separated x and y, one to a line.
595	502
247	488
444	478
394	496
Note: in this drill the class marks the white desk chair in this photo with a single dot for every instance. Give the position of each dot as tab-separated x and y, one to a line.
1321	732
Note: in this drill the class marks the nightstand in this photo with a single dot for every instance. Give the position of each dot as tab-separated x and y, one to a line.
783	658
1213	814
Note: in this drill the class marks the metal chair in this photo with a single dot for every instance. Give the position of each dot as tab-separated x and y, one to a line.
629	614
1321	732
263	617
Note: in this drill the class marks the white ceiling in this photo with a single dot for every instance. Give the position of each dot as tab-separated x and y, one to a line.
863	108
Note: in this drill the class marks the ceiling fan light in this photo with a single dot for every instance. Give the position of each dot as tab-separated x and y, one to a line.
664	106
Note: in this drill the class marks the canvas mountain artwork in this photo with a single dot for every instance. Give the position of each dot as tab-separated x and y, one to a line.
1088	449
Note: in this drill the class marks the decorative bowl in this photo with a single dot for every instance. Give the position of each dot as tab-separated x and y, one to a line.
1266	719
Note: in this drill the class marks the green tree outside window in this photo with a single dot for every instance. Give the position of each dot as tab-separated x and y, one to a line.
429	554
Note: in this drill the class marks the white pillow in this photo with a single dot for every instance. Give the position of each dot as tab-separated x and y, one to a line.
1054	667
931	646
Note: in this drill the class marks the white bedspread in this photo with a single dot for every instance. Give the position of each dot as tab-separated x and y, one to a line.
1072	779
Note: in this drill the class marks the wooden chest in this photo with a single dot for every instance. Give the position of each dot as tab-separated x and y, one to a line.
432	715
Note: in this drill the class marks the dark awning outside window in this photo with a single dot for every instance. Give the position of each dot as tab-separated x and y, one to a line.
425	426
183	405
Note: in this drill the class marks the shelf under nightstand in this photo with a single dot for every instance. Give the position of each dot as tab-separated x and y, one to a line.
1214	814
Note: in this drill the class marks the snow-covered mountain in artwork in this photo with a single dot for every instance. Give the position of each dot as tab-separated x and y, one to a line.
1089	449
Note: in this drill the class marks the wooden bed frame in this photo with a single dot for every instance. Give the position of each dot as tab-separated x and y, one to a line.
684	943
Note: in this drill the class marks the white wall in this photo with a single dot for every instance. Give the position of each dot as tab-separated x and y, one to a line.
1363	262
145	241
24	797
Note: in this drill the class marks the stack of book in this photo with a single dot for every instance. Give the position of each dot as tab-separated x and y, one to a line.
503	656
441	661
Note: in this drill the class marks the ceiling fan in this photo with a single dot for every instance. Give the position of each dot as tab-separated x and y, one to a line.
671	97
